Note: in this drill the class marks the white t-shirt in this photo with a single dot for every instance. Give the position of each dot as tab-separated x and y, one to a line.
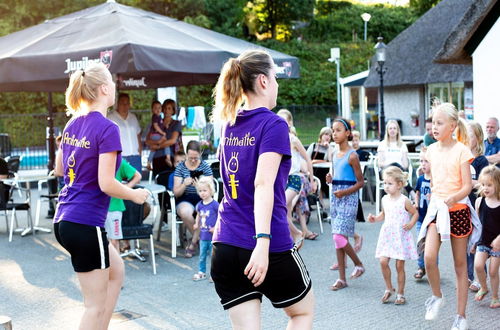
129	129
393	153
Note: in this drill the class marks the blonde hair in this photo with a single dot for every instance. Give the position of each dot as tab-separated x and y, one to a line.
83	87
237	78
395	173
398	135
478	133
492	173
451	112
207	182
356	134
324	130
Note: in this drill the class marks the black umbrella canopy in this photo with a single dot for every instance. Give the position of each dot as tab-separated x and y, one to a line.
143	50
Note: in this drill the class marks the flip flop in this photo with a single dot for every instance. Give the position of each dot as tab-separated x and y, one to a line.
338	285
400	300
358	271
419	274
495	303
312	236
387	295
480	295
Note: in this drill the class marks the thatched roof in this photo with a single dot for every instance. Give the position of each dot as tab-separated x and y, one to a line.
474	25
410	56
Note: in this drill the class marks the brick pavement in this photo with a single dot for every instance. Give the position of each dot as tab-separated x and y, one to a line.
39	290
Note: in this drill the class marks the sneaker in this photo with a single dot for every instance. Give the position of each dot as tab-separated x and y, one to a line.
164	227
432	306
460	323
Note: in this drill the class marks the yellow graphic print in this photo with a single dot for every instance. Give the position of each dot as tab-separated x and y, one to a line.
232	166
71	172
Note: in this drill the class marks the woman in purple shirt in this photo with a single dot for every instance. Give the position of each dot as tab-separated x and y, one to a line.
88	159
253	253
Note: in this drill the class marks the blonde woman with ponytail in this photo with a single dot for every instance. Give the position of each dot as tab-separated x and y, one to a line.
88	158
450	215
252	248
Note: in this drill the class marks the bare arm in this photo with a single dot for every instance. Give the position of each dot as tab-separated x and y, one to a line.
180	185
163	143
306	157
414	215
404	156
492	159
59	169
267	169
139	140
158	129
417	198
110	186
466	186
135	180
381	157
376	218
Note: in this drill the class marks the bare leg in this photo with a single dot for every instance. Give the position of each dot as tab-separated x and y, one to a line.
185	212
290	196
432	245
386	272
400	268
115	243
94	286
494	281
301	313
341	261
459	249
354	257
245	316
479	263
116	275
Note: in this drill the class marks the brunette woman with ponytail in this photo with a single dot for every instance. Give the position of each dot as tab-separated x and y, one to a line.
254	254
89	155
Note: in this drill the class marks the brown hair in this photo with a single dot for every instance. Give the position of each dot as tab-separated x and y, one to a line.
492	173
167	102
237	78
83	87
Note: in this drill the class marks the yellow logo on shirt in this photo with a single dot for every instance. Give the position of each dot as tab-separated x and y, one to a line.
71	163
232	166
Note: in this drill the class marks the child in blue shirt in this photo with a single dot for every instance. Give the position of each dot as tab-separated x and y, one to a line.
206	218
422	198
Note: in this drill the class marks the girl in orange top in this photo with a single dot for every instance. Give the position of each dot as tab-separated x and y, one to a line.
449	208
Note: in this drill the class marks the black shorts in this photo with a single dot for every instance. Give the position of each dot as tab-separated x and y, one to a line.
286	283
87	245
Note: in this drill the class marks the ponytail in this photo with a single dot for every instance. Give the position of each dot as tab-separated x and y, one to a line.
461	132
237	78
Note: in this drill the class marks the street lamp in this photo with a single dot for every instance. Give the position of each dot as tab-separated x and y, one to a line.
380	53
366	18
335	57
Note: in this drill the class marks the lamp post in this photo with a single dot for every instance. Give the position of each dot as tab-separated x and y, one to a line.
335	57
366	18
380	53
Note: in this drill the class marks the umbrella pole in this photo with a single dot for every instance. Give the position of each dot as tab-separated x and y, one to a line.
51	138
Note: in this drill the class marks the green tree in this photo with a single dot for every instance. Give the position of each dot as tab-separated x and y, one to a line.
422	6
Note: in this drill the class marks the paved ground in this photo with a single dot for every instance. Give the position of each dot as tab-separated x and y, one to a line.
39	290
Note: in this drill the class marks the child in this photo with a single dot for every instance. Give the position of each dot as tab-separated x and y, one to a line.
179	157
422	199
156	132
488	208
113	224
395	240
449	212
205	220
346	180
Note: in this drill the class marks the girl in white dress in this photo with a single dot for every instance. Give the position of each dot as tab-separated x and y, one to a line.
395	240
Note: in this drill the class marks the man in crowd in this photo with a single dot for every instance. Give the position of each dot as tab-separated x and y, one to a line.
130	131
492	142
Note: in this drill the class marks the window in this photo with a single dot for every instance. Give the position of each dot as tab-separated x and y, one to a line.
447	92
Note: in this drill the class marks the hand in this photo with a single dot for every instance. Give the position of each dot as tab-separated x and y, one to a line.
495	245
408	226
188	181
473	249
195	226
328	178
450	201
140	196
211	229
371	218
256	268
339	193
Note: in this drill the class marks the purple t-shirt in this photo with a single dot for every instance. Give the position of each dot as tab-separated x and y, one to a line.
208	218
254	132
83	140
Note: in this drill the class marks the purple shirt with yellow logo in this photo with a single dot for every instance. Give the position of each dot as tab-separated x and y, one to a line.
84	139
254	132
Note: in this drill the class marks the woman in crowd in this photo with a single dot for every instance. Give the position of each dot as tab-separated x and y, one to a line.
320	153
392	150
253	252
186	175
90	154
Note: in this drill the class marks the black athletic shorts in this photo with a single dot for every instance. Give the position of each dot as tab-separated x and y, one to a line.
286	283
87	245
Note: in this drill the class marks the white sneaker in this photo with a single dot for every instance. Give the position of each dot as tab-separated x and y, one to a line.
460	323
432	306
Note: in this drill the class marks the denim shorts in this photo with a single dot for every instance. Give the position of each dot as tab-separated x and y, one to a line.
489	250
294	183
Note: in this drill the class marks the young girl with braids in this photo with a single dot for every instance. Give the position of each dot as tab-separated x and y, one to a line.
449	215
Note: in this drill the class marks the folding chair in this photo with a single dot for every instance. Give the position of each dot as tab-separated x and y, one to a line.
7	204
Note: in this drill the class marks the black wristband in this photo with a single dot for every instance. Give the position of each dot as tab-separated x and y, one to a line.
262	235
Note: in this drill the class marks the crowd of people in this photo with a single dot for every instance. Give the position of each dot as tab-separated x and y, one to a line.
266	176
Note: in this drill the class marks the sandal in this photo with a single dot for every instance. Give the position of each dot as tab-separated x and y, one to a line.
338	285
359	244
400	300
190	250
387	295
335	266
480	295
312	236
475	286
419	274
358	271
199	276
495	303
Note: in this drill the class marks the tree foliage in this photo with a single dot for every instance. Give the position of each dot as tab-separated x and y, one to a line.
422	6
